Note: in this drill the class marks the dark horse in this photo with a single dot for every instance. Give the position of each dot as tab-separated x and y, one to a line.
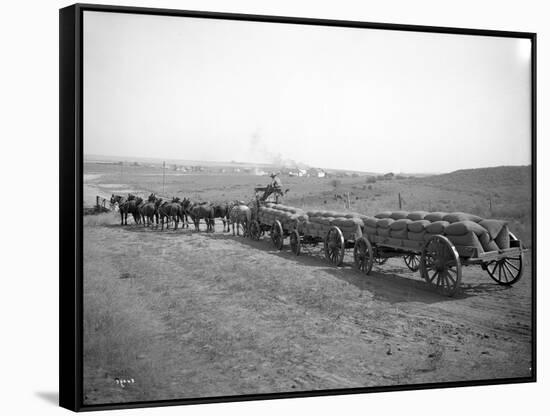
148	211
198	211
168	211
126	206
222	210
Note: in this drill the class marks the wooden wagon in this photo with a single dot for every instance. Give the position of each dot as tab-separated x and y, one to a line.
441	257
276	219
337	232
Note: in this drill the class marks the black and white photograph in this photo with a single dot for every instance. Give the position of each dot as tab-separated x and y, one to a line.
284	207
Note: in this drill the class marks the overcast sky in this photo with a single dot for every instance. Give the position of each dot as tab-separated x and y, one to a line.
361	99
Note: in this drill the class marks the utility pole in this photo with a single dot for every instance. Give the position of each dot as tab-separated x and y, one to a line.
400	203
163	175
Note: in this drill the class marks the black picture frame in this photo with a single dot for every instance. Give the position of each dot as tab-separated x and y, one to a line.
71	205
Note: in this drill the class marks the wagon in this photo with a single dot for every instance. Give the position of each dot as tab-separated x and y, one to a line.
337	232
440	258
277	219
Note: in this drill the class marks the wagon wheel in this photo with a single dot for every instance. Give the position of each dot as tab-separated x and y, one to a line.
295	244
334	246
440	265
254	230
412	261
277	235
507	270
363	255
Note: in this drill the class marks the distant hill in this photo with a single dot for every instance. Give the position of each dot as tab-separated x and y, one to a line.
502	179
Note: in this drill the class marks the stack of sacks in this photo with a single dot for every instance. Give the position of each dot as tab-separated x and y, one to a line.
498	233
289	217
435	216
460	228
319	223
383	226
470	234
417	215
399	230
370	225
460	216
416	231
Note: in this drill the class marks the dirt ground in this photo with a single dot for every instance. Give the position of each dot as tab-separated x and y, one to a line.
179	314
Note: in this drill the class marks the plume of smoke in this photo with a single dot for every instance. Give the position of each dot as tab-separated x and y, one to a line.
260	150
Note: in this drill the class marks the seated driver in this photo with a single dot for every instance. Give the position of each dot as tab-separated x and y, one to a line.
276	181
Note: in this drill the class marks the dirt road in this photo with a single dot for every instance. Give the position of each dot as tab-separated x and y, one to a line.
184	314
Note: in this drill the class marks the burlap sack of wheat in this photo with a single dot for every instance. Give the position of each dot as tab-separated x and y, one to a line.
371	222
437	227
398	228
463	227
498	231
399	215
418	226
435	216
384	214
417	215
461	216
469	239
384	223
487	242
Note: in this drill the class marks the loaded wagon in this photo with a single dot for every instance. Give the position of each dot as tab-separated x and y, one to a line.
277	219
436	244
337	232
439	244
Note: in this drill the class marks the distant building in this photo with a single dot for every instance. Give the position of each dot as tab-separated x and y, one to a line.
316	173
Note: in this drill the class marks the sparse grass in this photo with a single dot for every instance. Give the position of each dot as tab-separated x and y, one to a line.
101	219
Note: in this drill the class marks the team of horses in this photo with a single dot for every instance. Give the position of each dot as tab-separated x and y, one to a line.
157	211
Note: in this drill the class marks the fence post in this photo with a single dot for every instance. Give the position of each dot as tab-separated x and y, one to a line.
399	197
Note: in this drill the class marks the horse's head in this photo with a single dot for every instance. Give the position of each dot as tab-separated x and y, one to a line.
131	197
152	198
175	199
116	199
139	200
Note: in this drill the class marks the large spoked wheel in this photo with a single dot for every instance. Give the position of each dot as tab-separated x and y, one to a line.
440	265
254	230
506	271
295	244
412	261
334	246
277	235
363	255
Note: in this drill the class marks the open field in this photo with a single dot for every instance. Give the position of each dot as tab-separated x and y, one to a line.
195	315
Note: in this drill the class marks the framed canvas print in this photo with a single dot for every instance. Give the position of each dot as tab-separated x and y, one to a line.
261	207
